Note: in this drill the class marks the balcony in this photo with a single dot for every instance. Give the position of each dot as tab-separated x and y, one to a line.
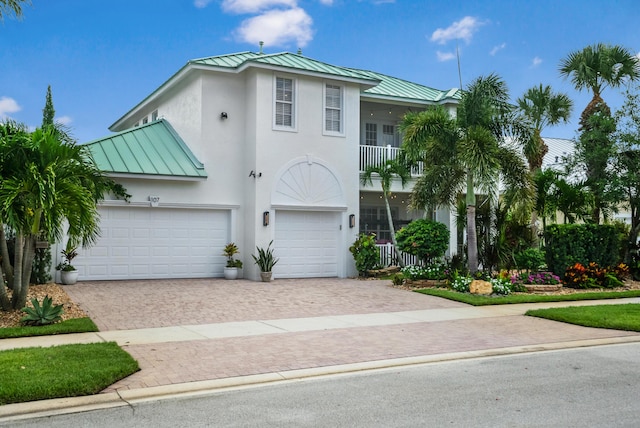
378	155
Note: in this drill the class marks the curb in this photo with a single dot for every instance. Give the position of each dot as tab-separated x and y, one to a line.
59	406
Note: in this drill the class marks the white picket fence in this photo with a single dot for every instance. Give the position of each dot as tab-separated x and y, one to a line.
388	256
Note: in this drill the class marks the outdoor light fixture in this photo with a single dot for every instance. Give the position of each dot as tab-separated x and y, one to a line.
224	115
352	221
265	218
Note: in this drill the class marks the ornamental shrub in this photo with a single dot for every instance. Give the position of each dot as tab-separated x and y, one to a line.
425	239
365	253
568	244
530	259
595	276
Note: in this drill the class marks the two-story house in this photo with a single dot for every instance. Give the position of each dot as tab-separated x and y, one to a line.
252	148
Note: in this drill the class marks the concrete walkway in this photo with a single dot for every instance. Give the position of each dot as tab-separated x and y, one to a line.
193	335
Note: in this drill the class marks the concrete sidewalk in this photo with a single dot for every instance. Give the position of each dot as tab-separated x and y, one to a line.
329	326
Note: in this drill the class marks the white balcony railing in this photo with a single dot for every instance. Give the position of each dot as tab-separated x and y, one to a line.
378	155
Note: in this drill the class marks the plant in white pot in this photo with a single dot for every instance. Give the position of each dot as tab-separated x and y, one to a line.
68	273
265	262
231	269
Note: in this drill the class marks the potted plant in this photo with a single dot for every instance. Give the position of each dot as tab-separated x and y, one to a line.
265	262
231	269
68	273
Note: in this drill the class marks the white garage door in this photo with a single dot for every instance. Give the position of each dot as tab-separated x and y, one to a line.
306	244
145	243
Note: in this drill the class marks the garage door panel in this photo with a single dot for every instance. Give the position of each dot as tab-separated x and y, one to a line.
139	243
306	244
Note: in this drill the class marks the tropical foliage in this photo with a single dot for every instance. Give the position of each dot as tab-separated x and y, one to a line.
47	182
390	169
470	153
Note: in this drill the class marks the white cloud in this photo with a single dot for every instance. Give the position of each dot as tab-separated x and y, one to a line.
201	4
462	29
8	105
255	6
65	120
536	62
496	49
327	2
278	28
445	56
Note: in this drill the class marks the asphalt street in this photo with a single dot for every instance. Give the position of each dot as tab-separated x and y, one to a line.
595	387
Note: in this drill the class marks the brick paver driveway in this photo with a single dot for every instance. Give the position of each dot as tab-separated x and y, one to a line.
123	305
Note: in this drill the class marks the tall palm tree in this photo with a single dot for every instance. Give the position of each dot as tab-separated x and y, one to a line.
386	172
469	154
595	68
46	183
541	107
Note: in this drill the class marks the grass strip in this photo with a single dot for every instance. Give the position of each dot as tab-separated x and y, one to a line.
617	317
479	300
74	325
30	374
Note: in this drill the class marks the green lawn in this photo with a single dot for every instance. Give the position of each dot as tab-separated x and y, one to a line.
74	325
30	374
617	317
478	300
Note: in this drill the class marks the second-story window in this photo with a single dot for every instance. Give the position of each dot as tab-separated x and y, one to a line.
333	109
284	98
371	134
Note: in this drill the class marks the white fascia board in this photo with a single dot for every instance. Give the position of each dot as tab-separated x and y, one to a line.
399	100
369	83
154	177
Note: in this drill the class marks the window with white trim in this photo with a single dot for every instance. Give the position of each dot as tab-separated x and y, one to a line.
333	109
284	103
371	134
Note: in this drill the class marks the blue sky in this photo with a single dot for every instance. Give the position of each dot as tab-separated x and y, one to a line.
102	57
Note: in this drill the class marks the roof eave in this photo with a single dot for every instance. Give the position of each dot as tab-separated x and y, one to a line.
155	176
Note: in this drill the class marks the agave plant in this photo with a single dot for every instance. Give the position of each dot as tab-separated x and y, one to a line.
42	315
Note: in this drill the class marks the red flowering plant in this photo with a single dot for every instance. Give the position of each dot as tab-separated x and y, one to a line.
594	276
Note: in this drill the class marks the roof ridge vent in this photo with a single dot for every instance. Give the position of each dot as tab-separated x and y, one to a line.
261	45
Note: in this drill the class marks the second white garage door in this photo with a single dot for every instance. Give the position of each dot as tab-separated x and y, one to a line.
306	244
146	243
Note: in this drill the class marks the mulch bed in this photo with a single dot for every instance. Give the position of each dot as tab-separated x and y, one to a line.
56	292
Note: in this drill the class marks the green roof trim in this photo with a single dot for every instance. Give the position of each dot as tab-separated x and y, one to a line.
394	87
286	60
382	85
153	149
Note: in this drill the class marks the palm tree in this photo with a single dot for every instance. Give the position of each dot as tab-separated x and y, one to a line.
469	154
46	183
386	172
12	7
541	107
595	68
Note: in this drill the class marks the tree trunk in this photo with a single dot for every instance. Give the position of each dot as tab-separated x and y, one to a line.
17	272
4	254
29	250
472	238
5	303
392	230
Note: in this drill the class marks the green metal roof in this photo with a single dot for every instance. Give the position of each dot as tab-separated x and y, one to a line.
151	149
398	88
286	60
